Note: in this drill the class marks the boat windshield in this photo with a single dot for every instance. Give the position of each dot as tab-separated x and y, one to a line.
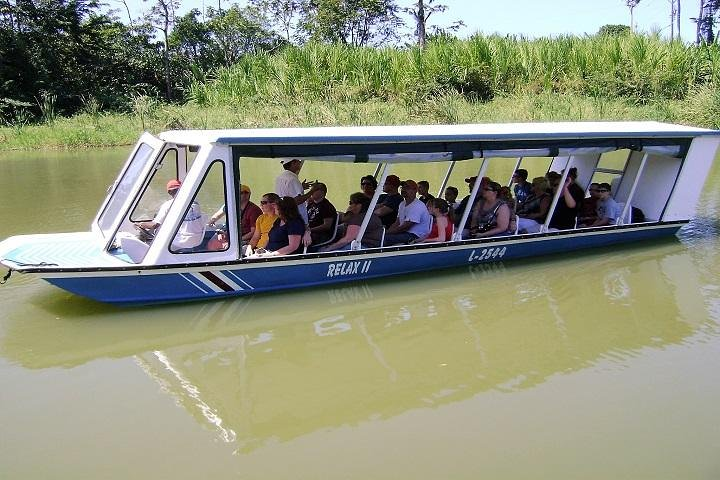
122	188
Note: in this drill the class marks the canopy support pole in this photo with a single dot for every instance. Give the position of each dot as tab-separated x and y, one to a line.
556	197
357	243
636	180
470	203
377	170
445	180
512	174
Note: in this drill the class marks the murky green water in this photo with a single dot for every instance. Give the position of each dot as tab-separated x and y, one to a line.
596	365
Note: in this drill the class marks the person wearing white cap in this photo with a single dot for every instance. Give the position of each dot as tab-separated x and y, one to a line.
288	184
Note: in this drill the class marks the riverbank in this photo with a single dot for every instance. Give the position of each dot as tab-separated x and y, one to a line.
701	107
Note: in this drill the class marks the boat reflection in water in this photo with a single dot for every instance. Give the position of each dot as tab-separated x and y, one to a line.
274	368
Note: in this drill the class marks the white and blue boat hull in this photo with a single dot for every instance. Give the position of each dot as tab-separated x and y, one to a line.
176	283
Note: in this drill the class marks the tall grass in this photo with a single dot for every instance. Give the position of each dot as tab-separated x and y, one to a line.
640	68
482	79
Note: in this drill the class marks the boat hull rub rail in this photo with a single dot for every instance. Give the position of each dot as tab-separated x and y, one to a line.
161	286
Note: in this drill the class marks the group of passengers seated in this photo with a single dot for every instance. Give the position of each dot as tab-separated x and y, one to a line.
298	217
409	214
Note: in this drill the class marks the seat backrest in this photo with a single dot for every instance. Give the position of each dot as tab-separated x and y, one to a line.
134	247
627	219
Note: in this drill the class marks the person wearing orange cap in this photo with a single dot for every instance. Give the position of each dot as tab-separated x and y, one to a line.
192	230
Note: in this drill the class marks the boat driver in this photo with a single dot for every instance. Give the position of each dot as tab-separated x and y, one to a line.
191	231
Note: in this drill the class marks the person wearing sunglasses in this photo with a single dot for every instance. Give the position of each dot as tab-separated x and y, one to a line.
588	207
352	221
608	210
368	185
491	215
264	222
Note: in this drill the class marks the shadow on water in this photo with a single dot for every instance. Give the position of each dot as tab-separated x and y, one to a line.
278	366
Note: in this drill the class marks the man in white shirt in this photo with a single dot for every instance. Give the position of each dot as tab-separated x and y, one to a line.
413	220
288	184
192	229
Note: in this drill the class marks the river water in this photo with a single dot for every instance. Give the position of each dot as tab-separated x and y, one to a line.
593	365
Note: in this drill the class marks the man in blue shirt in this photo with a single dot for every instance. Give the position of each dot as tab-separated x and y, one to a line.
522	188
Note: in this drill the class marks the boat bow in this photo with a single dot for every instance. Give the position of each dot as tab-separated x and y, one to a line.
56	251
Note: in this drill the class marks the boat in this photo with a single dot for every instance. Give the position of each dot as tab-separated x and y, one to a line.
662	171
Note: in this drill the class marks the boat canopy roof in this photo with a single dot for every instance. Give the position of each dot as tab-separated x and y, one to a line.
446	142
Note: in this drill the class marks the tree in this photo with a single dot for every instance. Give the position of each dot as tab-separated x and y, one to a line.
631	4
239	31
352	22
162	17
191	39
421	12
705	21
57	54
285	14
614	30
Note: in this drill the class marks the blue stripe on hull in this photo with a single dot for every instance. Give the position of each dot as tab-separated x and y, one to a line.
135	288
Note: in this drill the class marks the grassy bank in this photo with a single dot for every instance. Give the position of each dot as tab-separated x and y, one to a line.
701	108
482	79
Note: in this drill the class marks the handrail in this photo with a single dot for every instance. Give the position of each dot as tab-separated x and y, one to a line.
470	203
357	243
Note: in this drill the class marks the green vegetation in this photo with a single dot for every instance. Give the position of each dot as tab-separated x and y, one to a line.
641	68
482	79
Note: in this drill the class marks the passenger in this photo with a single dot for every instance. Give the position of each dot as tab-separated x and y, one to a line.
451	194
288	184
285	237
321	214
442	228
522	188
507	197
389	202
533	212
571	196
248	214
491	215
264	222
608	210
424	191
368	185
192	230
573	173
350	228
551	177
461	208
413	220
588	214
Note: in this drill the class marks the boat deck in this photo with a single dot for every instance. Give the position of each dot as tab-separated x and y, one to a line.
63	250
